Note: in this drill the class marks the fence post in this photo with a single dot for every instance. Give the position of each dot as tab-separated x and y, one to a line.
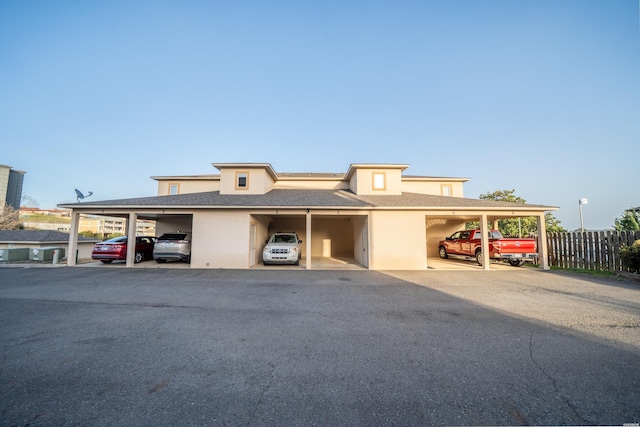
565	250
616	251
596	250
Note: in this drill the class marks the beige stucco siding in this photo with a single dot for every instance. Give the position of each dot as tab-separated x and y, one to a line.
220	239
398	240
188	186
291	184
432	188
258	181
362	182
173	224
361	240
333	233
438	229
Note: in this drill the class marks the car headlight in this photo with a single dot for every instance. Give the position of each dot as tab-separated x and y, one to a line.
267	250
294	250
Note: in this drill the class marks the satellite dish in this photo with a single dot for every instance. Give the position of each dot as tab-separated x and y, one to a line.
82	196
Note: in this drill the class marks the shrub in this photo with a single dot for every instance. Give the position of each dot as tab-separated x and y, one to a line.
630	256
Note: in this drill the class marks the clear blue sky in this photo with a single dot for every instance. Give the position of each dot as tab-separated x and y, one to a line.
540	96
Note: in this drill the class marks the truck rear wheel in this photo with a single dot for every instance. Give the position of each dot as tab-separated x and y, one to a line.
516	262
443	252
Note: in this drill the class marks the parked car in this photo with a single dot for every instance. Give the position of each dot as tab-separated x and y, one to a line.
173	247
282	248
467	244
116	249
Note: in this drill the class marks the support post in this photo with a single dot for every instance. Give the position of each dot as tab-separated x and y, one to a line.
484	242
131	239
543	249
73	239
308	241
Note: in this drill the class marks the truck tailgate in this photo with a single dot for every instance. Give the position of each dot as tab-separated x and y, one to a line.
515	246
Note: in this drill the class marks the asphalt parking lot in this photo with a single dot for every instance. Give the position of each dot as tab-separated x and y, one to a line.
105	346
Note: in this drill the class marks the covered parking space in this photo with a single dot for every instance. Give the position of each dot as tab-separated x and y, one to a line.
441	224
165	222
331	238
378	232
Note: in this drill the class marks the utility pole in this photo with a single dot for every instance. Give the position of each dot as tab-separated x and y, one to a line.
580	203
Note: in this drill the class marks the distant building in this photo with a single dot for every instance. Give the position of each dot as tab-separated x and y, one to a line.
59	220
10	186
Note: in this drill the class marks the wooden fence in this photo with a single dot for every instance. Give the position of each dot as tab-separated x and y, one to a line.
590	250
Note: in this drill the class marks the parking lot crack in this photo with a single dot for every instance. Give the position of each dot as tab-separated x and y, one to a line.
264	391
554	383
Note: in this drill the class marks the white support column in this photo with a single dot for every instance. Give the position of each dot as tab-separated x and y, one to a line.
308	243
131	239
73	238
484	242
543	249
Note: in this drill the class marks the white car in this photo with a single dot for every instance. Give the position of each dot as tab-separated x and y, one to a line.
173	247
282	248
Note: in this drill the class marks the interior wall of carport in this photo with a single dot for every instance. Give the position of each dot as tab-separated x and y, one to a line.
339	231
220	239
172	224
438	229
397	240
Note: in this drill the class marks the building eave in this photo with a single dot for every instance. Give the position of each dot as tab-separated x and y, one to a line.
355	166
265	166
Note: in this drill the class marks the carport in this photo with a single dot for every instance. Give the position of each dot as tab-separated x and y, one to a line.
330	237
165	222
379	232
440	225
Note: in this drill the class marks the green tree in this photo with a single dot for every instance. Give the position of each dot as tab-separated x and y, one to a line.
630	221
630	256
523	226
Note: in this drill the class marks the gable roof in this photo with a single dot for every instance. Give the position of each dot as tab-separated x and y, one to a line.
303	198
39	236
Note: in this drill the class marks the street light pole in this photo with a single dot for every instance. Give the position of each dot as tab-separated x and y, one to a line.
580	203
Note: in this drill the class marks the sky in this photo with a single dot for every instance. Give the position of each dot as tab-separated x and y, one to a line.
537	96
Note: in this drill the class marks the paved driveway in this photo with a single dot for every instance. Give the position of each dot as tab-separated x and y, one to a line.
171	347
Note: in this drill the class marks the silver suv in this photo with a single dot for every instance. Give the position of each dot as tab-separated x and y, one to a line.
173	247
282	248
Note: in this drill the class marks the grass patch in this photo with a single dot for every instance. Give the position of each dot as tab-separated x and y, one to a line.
597	273
36	217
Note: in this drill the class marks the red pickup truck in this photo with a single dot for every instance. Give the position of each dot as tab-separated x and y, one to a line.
467	244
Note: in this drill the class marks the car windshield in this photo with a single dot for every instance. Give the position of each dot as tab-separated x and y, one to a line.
283	238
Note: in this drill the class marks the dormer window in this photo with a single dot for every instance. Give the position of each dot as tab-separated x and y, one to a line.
379	181
174	188
242	180
445	190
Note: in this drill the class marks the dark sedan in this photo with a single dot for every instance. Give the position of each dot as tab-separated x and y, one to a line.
116	249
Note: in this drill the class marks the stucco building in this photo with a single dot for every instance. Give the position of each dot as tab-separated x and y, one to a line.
373	214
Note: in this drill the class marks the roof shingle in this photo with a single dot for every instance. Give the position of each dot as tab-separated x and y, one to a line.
300	198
